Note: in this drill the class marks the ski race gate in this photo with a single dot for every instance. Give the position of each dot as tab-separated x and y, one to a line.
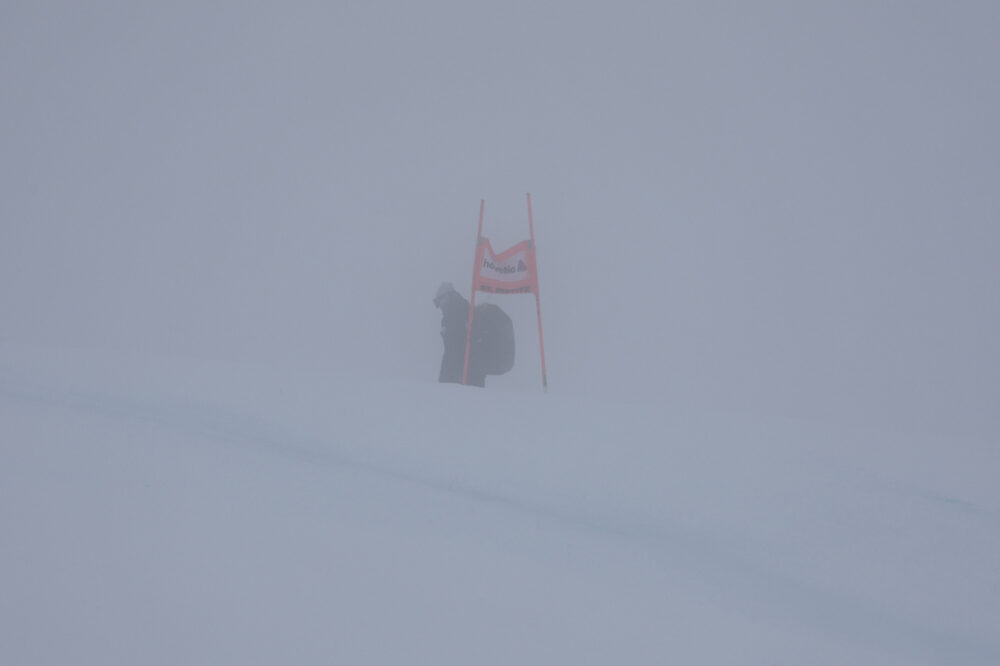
513	271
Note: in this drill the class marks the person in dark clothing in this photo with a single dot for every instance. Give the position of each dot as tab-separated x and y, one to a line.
492	340
454	324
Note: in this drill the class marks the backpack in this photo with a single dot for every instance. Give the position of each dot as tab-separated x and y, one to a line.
492	339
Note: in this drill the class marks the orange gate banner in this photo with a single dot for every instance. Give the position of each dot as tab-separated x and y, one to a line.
512	271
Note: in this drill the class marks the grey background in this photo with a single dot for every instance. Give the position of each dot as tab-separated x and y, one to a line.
769	206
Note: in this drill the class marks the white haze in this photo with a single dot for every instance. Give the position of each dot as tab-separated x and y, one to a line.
767	237
771	207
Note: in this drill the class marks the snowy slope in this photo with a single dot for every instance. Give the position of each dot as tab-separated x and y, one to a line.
162	511
767	242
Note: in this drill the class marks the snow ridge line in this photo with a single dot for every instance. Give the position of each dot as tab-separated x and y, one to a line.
736	576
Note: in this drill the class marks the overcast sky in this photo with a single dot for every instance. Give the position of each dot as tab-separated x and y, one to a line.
765	205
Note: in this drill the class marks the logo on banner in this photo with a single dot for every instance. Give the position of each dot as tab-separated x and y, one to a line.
512	269
501	290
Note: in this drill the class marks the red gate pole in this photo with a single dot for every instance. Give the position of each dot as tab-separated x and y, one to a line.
538	300
472	295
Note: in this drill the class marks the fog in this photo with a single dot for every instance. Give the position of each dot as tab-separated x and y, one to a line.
765	207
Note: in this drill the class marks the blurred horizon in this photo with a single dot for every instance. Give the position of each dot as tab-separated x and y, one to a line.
771	207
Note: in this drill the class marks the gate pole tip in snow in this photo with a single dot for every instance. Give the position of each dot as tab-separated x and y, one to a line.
538	300
472	295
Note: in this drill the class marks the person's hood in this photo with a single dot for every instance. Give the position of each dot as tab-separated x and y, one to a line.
443	292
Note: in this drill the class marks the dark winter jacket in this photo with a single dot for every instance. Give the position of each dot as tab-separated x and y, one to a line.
454	323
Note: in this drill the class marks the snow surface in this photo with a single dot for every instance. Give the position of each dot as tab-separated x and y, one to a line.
767	241
162	511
